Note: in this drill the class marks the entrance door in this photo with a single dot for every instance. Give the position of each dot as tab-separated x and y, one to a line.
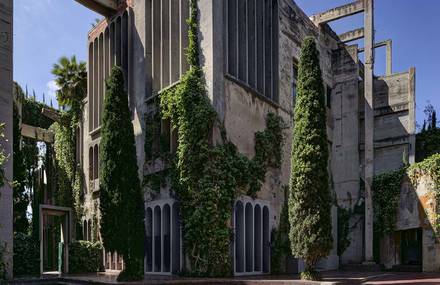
411	247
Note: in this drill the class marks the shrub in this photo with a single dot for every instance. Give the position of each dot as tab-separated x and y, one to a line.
85	257
26	255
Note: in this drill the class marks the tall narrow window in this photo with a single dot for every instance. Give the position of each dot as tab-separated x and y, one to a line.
252	237
163	237
329	97
252	44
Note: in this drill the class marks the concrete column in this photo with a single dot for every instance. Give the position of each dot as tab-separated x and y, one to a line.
369	127
389	58
6	103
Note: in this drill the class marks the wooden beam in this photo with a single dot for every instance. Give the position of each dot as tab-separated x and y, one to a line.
36	133
338	12
352	35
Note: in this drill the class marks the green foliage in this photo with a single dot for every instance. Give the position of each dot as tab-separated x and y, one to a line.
427	143
3	155
207	178
85	256
71	78
3	264
21	198
310	274
344	216
280	241
385	200
26	255
121	201
310	199
430	167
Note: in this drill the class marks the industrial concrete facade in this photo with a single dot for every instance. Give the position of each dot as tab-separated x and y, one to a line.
249	54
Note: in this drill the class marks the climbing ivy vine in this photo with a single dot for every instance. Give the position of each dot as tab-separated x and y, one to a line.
206	177
431	167
385	200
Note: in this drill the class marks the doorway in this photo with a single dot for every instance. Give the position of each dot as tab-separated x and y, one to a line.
55	236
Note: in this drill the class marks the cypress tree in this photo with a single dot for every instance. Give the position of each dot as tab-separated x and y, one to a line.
309	197
121	201
434	120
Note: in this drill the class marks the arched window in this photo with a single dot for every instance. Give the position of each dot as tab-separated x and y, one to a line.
163	237
252	237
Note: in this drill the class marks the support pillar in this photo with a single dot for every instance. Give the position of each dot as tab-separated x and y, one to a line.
389	58
6	103
369	127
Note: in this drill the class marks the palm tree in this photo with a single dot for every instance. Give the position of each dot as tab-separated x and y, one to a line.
71	78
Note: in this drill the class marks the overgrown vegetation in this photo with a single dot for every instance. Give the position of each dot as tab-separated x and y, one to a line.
207	178
430	167
280	249
3	158
310	200
26	255
121	201
85	256
385	200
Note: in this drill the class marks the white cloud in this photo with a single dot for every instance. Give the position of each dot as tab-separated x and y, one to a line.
52	88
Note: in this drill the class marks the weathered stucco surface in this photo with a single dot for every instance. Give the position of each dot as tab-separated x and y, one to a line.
416	209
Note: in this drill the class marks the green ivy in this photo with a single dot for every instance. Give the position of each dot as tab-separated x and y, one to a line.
344	216
85	257
427	143
385	200
280	248
26	255
431	167
207	178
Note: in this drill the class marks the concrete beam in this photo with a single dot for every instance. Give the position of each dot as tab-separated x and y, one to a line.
51	114
339	12
36	133
103	7
389	54
352	35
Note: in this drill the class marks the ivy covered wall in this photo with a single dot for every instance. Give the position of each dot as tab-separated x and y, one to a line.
205	176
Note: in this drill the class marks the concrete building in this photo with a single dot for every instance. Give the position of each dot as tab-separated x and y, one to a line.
249	53
6	101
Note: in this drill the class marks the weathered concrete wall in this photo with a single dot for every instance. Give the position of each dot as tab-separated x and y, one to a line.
394	121
6	102
245	110
416	209
345	152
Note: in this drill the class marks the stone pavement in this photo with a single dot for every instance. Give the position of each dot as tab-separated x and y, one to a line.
329	278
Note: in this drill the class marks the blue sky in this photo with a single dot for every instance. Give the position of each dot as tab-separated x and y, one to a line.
413	27
45	30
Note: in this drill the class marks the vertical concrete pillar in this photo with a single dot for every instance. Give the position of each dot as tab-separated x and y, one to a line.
369	127
6	103
389	57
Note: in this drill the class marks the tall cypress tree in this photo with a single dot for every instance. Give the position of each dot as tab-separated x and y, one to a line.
121	201
309	198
